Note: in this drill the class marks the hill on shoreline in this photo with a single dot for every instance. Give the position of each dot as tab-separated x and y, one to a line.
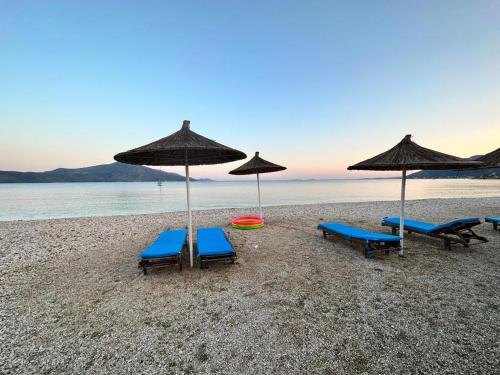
485	173
120	172
114	172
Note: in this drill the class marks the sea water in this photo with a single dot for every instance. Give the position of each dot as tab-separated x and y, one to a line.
58	200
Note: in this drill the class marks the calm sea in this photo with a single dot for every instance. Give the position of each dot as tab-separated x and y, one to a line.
56	200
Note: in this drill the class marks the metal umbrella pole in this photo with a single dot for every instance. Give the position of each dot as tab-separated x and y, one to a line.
402	213
258	188
190	223
256	166
182	148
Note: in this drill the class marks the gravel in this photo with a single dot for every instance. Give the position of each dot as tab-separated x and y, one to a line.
73	300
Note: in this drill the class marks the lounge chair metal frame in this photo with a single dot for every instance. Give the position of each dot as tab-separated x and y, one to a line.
459	233
218	258
370	246
162	262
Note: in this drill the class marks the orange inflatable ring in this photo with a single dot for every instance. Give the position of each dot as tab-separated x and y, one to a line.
247	222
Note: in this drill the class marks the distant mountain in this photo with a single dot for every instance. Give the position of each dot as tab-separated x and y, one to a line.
472	173
465	173
114	172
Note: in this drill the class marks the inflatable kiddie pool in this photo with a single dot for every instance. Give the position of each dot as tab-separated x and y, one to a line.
247	222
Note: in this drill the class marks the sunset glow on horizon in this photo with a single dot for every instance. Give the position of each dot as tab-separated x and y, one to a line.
312	86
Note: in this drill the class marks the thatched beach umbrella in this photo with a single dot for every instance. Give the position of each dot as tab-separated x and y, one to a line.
407	155
183	147
491	160
257	165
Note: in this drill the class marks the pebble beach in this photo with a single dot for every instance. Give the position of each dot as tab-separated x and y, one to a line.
73	300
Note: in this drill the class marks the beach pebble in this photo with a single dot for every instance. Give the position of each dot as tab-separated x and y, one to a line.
73	301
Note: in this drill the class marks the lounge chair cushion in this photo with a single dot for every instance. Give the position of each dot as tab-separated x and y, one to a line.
357	233
493	219
212	241
421	226
169	243
172	235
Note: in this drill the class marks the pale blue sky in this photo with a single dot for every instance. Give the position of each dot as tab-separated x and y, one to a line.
313	85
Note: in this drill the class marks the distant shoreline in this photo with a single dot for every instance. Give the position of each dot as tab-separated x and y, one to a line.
119	172
252	180
298	206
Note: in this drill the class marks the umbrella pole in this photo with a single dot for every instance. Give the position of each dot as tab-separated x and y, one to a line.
258	189
402	214
190	226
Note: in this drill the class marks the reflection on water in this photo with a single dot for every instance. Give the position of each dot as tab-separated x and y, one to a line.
36	201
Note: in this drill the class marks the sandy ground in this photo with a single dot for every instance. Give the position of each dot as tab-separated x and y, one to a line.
73	301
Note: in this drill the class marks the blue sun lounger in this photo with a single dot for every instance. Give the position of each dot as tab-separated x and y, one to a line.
166	250
457	231
213	245
495	220
372	241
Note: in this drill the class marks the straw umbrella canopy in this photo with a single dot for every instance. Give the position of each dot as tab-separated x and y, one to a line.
491	160
186	148
257	165
407	155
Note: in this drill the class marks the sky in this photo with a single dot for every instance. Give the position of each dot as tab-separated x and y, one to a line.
313	85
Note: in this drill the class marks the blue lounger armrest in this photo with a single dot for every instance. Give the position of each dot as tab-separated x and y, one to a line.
357	233
168	244
213	242
422	226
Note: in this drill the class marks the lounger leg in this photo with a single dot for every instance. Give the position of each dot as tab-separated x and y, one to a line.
368	251
465	239
179	259
393	230
447	244
143	266
480	238
324	234
495	226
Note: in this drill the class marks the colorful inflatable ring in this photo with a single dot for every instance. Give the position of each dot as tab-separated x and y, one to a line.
247	222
